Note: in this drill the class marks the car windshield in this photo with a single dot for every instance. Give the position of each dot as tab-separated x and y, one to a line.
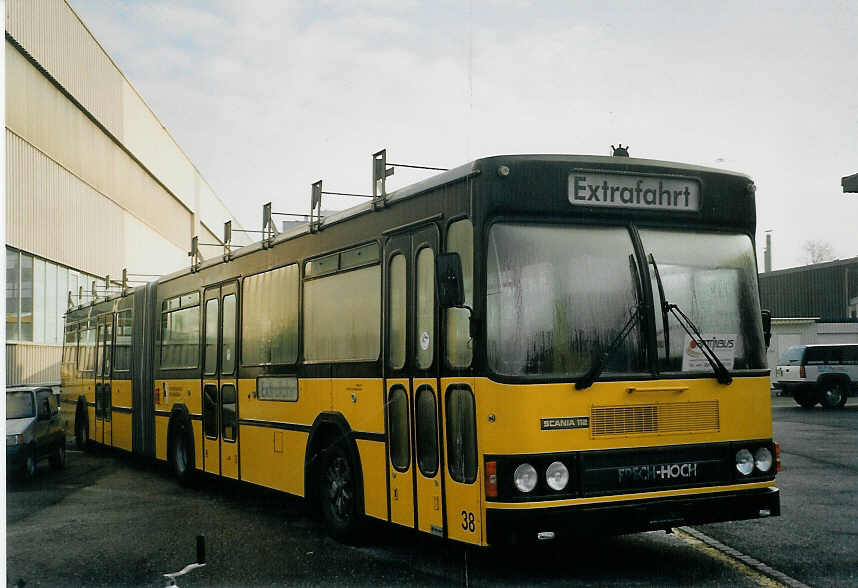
19	405
556	295
712	278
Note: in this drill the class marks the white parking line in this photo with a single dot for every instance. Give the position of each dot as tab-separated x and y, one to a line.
763	574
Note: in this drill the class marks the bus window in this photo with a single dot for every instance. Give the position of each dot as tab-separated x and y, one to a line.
398	420
343	328
228	410
397	311
460	239
210	367
461	434
269	328
228	337
180	333
427	432
122	348
425	332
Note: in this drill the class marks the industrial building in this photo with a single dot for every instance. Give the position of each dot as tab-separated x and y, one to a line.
94	183
815	303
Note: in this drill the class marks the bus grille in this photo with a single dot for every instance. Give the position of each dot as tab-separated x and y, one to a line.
679	417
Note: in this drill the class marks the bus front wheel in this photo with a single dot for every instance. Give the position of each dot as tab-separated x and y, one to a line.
339	496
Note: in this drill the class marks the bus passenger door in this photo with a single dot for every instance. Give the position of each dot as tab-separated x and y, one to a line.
104	354
229	381
219	385
425	404
211	382
397	256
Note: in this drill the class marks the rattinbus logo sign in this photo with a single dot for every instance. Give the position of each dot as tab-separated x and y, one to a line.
633	191
724	345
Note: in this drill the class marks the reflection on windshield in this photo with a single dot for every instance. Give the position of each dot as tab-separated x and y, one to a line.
558	295
19	405
712	278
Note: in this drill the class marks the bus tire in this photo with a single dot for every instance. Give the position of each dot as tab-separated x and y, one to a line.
182	449
339	493
832	394
81	427
804	398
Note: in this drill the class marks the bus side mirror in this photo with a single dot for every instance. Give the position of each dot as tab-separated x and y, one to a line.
767	327
451	289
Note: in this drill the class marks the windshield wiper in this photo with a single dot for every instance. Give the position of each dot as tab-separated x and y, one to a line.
599	359
721	372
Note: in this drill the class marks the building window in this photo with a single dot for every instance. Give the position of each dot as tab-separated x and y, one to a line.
26	320
13	287
37	294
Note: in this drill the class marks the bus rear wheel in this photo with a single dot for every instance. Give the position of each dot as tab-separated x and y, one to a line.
339	494
182	452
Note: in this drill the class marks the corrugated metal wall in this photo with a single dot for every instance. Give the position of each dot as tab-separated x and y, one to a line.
39	113
32	364
53	214
53	35
811	292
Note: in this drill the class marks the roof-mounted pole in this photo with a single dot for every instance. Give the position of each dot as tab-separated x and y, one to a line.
380	172
195	255
94	292
269	229
125	281
315	206
70	302
227	240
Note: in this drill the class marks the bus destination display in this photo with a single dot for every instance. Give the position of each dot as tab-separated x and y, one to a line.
631	191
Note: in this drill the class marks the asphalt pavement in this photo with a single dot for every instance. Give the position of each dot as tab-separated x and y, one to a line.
110	521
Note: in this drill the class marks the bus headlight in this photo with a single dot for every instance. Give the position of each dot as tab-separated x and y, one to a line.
744	462
763	459
557	476
525	477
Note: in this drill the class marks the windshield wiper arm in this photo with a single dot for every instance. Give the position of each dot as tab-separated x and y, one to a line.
599	359
721	371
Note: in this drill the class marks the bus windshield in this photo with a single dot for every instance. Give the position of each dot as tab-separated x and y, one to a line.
19	405
711	278
556	295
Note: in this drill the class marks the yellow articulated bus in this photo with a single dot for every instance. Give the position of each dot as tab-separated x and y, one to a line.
524	347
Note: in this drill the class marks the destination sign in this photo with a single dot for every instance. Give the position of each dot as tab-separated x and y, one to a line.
630	191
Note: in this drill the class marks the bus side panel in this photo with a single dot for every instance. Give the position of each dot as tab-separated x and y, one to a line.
361	402
121	419
273	457
372	460
273	433
171	393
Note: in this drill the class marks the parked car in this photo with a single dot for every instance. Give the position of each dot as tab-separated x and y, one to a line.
824	374
33	429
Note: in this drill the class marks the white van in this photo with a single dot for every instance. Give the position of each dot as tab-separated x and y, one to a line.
824	374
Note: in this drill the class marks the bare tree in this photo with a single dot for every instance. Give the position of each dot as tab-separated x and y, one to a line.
817	251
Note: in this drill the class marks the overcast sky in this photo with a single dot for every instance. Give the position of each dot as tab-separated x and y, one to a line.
268	97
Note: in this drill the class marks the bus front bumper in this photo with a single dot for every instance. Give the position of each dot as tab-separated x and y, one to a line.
617	518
